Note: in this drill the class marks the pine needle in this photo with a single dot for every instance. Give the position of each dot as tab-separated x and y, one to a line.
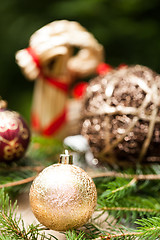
72	235
118	189
149	228
12	226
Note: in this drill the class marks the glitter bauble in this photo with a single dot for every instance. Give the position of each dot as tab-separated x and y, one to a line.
14	135
63	197
121	116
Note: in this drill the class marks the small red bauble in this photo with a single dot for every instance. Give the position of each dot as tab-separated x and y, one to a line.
14	135
103	68
79	90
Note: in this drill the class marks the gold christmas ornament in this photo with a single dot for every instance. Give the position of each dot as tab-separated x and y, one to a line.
63	196
121	116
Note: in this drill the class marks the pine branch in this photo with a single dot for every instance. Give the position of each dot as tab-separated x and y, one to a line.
124	236
149	228
23	168
3	237
10	223
124	187
118	189
10	227
72	235
128	200
132	209
16	183
19	170
139	177
40	151
126	196
132	203
111	232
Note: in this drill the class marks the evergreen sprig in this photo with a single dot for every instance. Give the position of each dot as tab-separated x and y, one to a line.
128	199
73	235
118	189
12	226
149	228
132	208
123	197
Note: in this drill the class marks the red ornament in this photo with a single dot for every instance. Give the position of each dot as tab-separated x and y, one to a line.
122	65
103	68
79	90
14	135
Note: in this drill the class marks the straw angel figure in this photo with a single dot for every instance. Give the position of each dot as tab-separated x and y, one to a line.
51	60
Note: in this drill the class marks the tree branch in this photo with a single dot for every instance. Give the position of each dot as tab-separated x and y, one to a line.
93	175
20	182
24	168
139	177
110	236
128	209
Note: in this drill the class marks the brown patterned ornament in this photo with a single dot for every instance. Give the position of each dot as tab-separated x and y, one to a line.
121	116
14	135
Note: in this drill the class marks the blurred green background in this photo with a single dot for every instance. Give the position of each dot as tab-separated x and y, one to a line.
128	29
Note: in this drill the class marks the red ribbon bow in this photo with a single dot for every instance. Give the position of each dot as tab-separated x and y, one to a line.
56	82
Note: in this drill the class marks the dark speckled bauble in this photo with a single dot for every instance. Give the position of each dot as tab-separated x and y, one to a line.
121	116
14	135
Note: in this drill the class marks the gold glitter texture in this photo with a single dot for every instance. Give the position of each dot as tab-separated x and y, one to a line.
63	197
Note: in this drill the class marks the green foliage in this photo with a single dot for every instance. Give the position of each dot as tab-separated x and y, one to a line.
128	206
9	175
118	189
129	199
72	235
149	228
12	226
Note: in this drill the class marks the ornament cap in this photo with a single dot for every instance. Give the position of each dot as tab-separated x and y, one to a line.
66	158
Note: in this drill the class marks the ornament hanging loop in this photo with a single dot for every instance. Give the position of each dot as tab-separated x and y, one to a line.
66	158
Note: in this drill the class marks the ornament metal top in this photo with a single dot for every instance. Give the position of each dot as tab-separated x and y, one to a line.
14	134
121	116
63	196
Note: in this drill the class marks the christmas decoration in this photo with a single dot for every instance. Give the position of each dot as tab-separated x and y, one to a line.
50	58
14	134
122	193
121	115
81	150
63	196
103	68
79	90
